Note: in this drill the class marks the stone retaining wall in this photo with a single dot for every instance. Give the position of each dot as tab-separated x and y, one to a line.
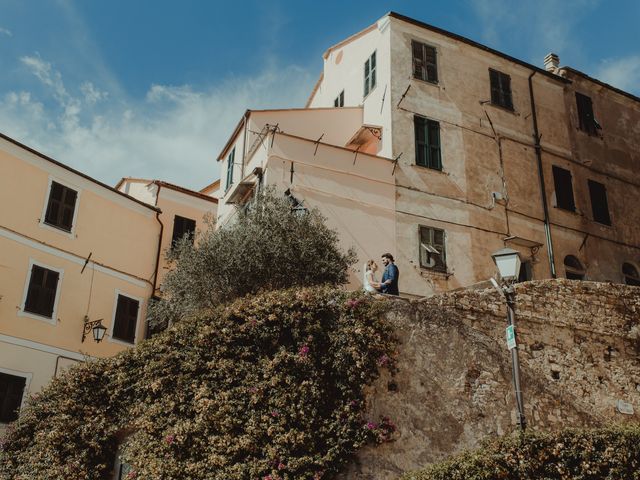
579	351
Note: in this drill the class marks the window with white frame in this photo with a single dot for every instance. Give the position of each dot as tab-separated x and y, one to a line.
424	62
230	160
370	74
432	249
12	389
42	291
125	321
61	206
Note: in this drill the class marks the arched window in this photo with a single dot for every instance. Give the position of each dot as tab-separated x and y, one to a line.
631	275
573	268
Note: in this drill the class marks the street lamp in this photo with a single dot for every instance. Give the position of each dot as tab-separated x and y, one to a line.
95	327
508	262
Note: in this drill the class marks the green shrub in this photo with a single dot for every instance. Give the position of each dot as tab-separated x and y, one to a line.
611	453
265	247
268	387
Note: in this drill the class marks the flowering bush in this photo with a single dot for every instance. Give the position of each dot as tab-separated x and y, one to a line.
600	454
268	387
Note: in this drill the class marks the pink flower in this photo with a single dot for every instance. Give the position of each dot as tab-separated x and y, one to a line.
383	360
253	390
304	350
281	466
267	477
352	303
274	413
169	439
372	425
132	474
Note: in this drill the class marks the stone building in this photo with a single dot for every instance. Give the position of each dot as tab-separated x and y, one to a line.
484	150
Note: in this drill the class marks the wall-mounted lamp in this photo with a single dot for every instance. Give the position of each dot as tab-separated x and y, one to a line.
508	262
96	327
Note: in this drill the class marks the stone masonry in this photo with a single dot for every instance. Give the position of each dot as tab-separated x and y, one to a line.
579	352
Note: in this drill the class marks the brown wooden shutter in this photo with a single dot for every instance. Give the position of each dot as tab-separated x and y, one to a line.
125	322
41	293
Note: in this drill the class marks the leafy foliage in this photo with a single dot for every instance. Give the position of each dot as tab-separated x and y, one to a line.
266	247
268	387
601	454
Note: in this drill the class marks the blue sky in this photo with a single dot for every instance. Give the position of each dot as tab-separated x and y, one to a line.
154	88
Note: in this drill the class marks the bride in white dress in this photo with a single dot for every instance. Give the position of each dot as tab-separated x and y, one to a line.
370	283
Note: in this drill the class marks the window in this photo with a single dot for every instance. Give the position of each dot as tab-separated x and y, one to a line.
126	319
11	393
339	101
61	207
586	119
432	252
564	189
631	275
41	292
573	268
182	226
370	74
230	160
500	89
526	272
424	62
599	204
427	143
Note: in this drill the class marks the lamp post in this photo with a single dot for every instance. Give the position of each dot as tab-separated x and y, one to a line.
508	262
95	327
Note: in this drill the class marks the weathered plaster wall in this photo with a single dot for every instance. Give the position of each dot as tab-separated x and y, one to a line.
579	345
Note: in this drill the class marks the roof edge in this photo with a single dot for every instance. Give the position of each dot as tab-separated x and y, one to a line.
600	82
76	172
236	130
478	45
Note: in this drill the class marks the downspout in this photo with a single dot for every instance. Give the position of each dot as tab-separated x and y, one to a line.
155	273
543	191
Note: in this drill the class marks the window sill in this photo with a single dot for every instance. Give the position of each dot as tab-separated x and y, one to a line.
440	171
369	94
576	212
605	225
597	135
35	316
56	229
429	272
428	82
510	110
122	342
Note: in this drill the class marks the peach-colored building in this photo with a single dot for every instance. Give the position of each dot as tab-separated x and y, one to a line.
461	150
323	157
74	251
182	211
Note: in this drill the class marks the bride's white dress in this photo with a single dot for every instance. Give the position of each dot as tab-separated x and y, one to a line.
368	278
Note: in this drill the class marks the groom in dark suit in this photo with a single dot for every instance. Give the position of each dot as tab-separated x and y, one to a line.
389	284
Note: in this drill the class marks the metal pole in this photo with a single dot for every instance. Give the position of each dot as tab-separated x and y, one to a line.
514	358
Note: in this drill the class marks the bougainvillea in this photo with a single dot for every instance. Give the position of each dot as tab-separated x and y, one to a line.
268	387
611	453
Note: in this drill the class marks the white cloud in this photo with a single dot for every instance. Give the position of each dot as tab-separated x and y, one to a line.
92	95
174	133
49	77
623	73
5	31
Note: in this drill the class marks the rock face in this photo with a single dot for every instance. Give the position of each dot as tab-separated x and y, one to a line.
579	344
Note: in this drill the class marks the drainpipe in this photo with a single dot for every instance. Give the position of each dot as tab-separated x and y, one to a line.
543	191
155	273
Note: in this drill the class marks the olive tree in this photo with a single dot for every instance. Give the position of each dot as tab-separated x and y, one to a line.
268	245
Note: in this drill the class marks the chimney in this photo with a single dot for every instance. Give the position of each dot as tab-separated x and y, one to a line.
551	62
